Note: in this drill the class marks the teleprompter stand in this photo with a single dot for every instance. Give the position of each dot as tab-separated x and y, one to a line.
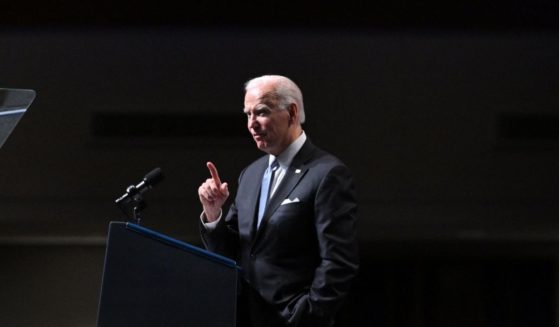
150	279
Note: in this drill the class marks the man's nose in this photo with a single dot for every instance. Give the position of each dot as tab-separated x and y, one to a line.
252	122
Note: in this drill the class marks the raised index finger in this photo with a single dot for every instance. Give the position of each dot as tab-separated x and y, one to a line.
213	172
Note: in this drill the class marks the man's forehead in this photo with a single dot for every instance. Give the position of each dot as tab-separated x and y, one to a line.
269	98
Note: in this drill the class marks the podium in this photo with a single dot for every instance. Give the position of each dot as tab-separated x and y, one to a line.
150	279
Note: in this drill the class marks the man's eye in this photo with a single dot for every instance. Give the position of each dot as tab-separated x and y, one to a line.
263	112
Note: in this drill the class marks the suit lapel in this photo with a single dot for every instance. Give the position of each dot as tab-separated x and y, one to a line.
253	196
290	180
294	174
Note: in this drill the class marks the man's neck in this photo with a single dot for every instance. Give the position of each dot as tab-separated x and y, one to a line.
287	155
293	136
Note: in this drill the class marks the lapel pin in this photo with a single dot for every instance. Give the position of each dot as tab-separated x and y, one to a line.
297	171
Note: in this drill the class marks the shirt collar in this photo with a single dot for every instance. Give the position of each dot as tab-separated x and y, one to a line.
286	157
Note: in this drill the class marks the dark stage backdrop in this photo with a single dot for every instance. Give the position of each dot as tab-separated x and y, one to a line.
452	136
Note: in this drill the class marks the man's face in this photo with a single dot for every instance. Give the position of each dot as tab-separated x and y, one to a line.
266	122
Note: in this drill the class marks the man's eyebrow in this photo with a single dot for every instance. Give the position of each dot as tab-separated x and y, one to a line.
258	107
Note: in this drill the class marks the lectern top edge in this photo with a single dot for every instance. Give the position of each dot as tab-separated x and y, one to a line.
182	245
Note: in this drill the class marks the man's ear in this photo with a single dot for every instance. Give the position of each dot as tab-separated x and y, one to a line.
292	110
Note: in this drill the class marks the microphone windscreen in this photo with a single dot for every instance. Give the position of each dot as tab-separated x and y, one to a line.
153	177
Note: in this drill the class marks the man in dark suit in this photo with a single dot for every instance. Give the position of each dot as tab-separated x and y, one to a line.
295	238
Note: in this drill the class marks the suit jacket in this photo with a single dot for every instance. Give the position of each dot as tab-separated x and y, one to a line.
304	256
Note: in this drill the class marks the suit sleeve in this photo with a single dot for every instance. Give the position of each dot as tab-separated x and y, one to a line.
335	221
223	238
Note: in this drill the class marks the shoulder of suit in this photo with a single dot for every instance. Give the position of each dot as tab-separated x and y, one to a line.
314	153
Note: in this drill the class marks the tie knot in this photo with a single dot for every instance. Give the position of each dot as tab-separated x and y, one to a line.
274	165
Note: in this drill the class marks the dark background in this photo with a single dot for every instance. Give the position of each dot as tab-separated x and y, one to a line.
445	111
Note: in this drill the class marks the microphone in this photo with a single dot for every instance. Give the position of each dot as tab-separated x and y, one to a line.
148	182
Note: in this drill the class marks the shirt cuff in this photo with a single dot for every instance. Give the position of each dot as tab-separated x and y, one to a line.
210	225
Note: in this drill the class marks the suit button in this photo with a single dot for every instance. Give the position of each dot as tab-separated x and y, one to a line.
252	256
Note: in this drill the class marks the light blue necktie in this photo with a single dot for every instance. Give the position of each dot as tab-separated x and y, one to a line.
265	189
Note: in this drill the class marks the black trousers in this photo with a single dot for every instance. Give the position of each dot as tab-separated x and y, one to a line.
254	311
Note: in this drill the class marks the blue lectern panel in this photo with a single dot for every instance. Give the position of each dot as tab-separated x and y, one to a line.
150	279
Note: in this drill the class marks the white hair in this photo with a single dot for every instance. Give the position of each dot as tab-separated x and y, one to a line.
286	90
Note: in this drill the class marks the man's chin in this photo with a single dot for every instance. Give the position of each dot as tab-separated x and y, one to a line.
262	146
